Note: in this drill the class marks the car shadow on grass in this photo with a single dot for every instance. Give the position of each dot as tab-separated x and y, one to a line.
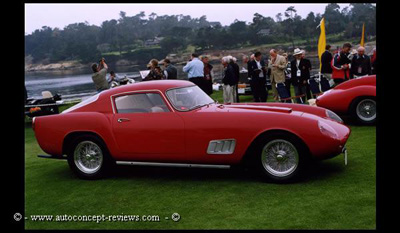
319	170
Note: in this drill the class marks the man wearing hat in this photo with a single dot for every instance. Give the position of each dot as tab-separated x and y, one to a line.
300	73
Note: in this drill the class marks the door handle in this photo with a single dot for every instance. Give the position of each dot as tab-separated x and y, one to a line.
120	120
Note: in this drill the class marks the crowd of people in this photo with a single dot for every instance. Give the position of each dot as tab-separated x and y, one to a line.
283	73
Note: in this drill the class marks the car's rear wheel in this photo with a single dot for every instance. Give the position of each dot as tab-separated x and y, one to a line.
364	110
280	157
88	157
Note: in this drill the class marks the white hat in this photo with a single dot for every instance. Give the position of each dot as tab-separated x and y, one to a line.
297	52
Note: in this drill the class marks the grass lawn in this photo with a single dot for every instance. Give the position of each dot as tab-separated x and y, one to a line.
332	196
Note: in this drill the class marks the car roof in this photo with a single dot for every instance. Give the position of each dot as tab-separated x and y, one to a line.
161	85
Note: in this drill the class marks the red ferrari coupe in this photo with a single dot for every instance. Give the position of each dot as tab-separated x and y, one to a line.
356	98
174	123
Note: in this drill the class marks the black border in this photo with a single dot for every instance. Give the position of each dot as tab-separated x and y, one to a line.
14	164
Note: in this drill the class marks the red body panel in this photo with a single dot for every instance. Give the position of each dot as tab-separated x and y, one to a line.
184	136
339	98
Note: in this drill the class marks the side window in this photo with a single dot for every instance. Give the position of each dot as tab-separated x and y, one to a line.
139	103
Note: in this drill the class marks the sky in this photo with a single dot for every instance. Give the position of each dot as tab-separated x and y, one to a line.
60	15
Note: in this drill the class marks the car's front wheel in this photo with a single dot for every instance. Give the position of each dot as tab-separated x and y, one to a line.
280	157
364	110
88	157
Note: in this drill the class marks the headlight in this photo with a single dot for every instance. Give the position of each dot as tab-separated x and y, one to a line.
333	116
327	130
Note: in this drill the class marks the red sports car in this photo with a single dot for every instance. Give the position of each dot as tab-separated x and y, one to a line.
174	123
356	98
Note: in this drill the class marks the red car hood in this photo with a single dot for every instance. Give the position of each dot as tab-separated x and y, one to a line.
261	108
281	107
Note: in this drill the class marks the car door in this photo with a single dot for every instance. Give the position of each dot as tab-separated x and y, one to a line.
146	128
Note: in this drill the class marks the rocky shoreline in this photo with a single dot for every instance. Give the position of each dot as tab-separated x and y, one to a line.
69	65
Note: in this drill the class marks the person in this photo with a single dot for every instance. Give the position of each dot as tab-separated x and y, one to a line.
113	77
237	74
155	71
277	65
326	58
252	57
300	73
360	64
245	62
208	74
341	64
170	71
288	74
195	70
373	62
308	65
229	80
99	76
258	74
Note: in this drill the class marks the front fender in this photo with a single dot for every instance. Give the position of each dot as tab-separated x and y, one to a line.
339	100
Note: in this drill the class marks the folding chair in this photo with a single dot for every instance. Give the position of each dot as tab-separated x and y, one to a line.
314	87
324	84
282	92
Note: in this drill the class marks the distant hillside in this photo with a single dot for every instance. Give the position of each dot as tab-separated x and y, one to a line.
135	39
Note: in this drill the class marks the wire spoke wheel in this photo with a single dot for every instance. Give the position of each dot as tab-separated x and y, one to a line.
280	158
88	157
366	110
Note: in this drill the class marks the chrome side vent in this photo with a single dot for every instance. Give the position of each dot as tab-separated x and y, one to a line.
223	146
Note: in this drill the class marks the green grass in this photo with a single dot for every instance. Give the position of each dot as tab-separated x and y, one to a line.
332	196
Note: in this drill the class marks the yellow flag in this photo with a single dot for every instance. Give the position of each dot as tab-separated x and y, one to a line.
362	36
321	41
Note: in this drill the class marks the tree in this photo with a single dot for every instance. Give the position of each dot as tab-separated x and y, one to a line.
290	15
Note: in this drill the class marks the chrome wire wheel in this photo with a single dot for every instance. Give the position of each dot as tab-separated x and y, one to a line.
280	158
88	157
366	110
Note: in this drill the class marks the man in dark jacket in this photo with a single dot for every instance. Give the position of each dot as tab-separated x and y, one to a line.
326	59
307	63
300	73
258	74
360	64
170	71
229	80
208	74
237	75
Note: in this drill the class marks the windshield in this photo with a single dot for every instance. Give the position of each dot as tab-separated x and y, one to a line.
188	98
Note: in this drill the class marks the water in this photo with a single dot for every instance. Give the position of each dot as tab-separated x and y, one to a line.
69	84
78	83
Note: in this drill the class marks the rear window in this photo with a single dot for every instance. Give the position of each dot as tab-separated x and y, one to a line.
83	103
